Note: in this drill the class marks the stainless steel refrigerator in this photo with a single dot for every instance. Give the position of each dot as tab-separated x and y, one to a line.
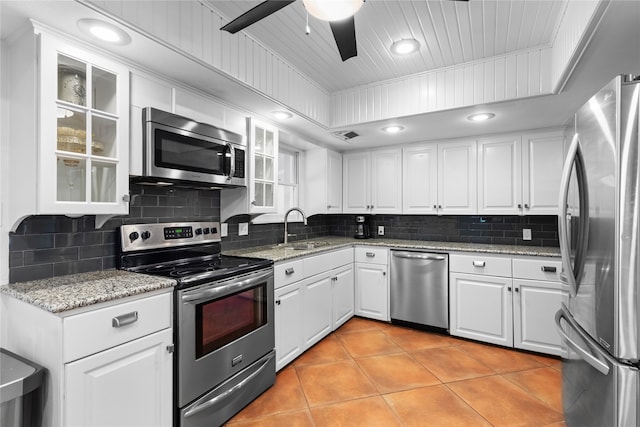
599	228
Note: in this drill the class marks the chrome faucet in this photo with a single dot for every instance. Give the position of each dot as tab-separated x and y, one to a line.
304	219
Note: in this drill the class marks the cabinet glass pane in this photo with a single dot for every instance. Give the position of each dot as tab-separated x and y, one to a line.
72	84
259	199
103	182
259	167
71	180
103	137
103	85
268	194
72	131
268	144
268	169
259	142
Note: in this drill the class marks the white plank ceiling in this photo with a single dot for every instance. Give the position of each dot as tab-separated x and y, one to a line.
450	33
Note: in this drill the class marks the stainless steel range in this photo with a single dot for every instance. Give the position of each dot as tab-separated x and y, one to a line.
224	325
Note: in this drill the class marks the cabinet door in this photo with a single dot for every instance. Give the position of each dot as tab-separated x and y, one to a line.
535	305
263	173
84	132
386	181
457	178
356	183
542	162
420	179
343	296
500	176
334	182
128	385
288	324
316	309
372	291
481	308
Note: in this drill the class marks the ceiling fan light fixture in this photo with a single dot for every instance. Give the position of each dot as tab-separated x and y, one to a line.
405	46
481	117
332	10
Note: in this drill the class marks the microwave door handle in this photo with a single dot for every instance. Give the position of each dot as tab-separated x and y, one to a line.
232	161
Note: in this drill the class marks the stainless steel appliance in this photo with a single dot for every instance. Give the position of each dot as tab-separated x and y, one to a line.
224	317
420	288
181	150
362	227
600	245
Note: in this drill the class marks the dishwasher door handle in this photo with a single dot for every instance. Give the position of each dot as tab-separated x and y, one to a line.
420	256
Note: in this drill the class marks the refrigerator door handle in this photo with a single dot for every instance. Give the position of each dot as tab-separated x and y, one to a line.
597	363
569	275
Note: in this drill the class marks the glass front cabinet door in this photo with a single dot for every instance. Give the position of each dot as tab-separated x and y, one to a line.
84	128
264	167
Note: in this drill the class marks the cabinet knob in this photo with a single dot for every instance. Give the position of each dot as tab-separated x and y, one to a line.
171	348
519	206
526	206
509	288
517	289
278	302
435	207
439	206
126	198
253	202
384	273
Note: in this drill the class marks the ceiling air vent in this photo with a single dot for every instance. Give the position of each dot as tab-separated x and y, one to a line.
345	135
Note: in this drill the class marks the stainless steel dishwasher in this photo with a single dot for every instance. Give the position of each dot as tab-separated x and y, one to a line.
420	288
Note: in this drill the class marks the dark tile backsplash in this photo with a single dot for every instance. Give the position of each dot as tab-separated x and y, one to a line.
49	246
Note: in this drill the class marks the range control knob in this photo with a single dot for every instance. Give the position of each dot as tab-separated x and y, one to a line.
145	235
206	230
133	236
198	231
214	230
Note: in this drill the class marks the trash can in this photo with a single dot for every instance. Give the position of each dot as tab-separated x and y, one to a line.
21	391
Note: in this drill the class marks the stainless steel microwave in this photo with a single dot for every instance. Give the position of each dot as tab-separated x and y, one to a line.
181	150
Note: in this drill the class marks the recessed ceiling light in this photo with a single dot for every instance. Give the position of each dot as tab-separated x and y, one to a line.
282	115
405	46
104	31
481	117
393	129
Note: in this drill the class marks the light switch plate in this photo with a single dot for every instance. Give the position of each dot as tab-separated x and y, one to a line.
224	229
381	230
243	229
526	234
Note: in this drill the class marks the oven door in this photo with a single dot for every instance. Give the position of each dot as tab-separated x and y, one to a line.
223	327
178	154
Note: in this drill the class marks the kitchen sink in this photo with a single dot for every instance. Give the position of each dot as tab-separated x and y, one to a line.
301	246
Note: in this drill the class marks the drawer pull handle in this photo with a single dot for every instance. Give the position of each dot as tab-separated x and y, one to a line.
478	263
289	271
371	254
124	319
548	269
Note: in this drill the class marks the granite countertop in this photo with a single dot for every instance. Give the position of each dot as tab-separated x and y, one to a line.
279	253
79	290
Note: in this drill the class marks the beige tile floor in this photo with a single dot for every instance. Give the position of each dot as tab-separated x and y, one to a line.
370	373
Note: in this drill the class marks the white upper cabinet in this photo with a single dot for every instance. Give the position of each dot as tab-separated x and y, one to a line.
542	161
420	179
500	175
457	178
372	182
70	130
263	170
323	181
520	175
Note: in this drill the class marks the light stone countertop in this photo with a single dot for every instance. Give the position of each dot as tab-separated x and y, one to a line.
278	253
65	293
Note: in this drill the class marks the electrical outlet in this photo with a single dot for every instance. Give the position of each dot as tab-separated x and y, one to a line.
381	230
526	234
243	229
224	229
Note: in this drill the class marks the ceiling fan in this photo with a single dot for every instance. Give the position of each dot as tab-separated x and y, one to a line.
339	13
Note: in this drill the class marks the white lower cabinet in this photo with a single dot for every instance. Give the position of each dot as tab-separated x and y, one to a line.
128	385
313	296
505	301
372	283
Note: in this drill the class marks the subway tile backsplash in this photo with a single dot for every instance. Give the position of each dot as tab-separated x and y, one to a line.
49	246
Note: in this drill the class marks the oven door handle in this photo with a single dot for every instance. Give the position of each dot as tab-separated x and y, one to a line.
221	291
197	409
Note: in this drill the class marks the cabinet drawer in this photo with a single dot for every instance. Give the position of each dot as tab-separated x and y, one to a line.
372	255
537	268
288	272
480	264
327	261
94	331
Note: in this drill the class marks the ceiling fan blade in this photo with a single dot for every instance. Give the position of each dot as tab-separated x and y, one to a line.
344	32
255	14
